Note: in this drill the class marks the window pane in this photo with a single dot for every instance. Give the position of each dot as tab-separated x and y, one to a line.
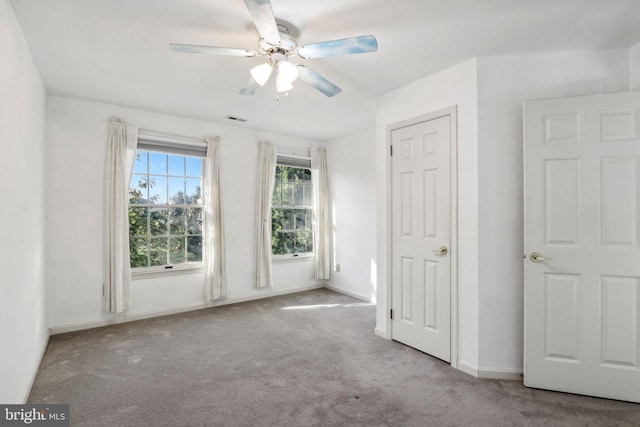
300	215
276	220
176	165
301	241
158	221
176	191
194	220
193	191
287	195
137	221
309	219
291	228
309	241
177	253
287	220
284	173
289	243
140	165
138	192
308	195
298	174
194	166
277	243
165	234
194	248
298	194
176	221
157	163
277	194
158	190
158	251
138	252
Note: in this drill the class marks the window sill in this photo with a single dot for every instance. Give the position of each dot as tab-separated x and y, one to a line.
151	272
281	258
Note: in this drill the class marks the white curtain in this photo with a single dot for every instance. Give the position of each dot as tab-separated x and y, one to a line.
321	212
266	180
214	255
122	143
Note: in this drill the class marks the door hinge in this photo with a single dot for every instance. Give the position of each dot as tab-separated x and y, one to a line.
391	150
391	314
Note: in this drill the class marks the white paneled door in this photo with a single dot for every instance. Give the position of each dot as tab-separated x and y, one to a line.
421	235
582	242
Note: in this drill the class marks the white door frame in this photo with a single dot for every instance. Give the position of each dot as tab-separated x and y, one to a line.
451	112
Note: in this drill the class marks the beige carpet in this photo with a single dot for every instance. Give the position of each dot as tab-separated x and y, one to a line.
307	359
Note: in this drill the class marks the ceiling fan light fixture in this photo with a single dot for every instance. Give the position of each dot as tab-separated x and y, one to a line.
261	73
287	70
282	84
278	44
287	73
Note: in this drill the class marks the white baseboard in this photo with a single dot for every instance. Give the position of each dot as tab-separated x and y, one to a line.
266	295
468	368
381	333
490	373
348	293
500	374
37	368
63	329
151	314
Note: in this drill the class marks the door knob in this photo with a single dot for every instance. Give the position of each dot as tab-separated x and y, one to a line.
442	251
536	257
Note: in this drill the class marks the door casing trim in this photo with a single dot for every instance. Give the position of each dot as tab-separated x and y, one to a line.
452	113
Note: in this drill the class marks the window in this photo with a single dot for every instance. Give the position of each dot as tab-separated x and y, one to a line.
165	209
292	209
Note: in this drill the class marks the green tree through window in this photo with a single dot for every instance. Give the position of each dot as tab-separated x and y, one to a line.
292	212
165	210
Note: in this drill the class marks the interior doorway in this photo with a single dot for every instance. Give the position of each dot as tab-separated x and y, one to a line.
423	234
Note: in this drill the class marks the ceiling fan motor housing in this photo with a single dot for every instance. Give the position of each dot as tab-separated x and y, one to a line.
287	44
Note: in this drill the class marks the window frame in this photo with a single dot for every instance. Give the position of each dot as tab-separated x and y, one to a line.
298	162
176	146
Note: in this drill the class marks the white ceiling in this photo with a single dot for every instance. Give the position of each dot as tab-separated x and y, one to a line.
117	50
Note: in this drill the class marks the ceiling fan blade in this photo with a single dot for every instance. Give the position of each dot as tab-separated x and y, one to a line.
250	88
211	50
307	75
262	15
350	46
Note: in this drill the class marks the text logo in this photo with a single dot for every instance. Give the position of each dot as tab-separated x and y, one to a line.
34	415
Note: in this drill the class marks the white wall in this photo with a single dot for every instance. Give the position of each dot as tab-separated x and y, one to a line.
504	82
23	328
634	67
351	164
456	86
76	139
489	93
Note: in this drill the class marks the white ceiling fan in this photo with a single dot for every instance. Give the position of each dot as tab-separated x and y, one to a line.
278	46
